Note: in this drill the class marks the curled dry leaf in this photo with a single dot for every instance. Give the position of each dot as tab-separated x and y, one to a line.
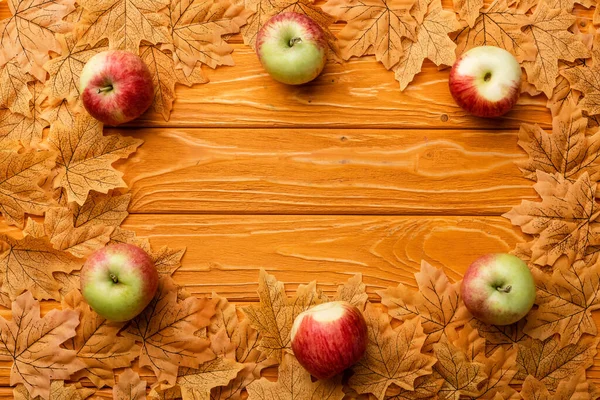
564	222
86	156
393	356
129	387
354	292
33	345
29	33
98	344
58	391
437	303
166	330
196	383
274	317
19	189
373	26
432	42
294	382
564	95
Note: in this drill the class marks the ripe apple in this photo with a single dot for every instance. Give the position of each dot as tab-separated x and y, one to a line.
498	289
116	87
486	81
118	281
292	48
329	338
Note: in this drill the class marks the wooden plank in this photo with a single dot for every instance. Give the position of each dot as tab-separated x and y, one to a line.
325	171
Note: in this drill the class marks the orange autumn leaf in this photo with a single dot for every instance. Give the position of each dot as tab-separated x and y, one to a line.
576	388
33	345
86	156
294	382
29	33
29	264
354	292
497	336
437	303
129	386
14	92
468	10
564	222
393	356
63	112
425	388
196	383
432	42
101	209
166	330
98	344
58	391
564	95
586	79
20	192
373	27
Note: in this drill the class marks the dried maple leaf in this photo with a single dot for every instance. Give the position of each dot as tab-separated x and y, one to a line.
496	336
437	303
25	128
551	363
565	219
65	70
58	391
425	388
468	10
548	28
86	156
568	151
353	292
98	344
129	387
575	388
274	316
432	42
124	22
28	264
19	189
585	79
101	209
563	96
33	345
28	34
373	26
196	383
393	356
14	92
166	330
63	112
498	25
159	392
164	76
67	282
294	383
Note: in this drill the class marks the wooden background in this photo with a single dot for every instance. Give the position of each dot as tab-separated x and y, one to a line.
343	175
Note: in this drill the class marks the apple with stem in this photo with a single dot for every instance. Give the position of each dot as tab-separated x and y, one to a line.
486	81
116	87
118	281
292	48
498	289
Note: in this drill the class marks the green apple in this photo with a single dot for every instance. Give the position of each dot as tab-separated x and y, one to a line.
292	48
118	281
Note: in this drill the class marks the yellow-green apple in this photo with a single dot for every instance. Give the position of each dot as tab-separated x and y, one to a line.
292	48
116	86
486	81
118	281
498	289
329	338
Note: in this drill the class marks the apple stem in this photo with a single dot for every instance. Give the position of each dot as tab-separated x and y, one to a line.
105	89
295	40
114	278
505	289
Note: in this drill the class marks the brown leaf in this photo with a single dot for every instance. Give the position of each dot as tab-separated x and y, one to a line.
25	128
98	344
63	112
165	76
294	383
58	391
576	388
393	356
498	25
67	282
130	387
425	388
468	10
354	292
160	392
548	29
28	34
101	209
551	363
432	42
19	189
28	264
437	303
274	316
124	22
563	96
166	330
86	156
496	336
585	79
534	390
196	383
564	222
373	27
33	345
14	93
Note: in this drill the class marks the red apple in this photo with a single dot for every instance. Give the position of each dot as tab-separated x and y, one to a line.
486	81
118	281
498	289
329	338
116	87
292	48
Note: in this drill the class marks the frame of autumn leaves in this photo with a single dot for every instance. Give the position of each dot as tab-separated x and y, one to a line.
422	343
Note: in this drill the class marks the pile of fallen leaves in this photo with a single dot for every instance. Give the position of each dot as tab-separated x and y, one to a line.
57	163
